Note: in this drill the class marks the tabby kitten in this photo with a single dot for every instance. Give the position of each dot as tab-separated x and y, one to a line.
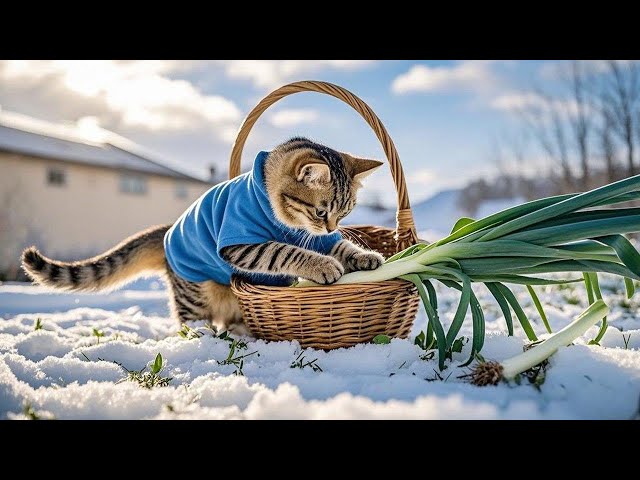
272	225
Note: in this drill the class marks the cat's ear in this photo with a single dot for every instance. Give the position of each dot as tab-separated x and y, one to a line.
313	174
361	167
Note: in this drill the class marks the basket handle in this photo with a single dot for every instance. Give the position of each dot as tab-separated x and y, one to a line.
405	226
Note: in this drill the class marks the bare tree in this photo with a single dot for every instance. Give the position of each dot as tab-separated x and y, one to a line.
607	146
580	120
620	99
496	155
546	123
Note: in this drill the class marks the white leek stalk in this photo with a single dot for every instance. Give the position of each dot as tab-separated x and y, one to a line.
386	271
490	373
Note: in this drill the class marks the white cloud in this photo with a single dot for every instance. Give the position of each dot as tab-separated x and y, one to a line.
130	93
514	101
466	75
274	73
423	176
292	117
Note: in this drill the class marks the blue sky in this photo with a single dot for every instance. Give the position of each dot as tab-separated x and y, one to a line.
442	115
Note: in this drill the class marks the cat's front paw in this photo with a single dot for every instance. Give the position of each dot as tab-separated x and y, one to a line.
365	261
326	272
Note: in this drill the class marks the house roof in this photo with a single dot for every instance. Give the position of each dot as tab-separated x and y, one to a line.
101	154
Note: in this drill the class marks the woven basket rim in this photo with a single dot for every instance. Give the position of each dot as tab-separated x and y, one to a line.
238	282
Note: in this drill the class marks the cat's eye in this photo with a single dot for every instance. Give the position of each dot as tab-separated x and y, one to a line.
321	213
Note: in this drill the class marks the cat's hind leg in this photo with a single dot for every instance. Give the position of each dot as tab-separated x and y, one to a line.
186	299
224	309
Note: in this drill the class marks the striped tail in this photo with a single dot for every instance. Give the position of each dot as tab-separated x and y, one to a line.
139	255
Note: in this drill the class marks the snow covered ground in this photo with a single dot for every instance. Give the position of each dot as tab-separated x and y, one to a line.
64	370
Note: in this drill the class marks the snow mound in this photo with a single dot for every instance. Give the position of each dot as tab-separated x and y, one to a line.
75	366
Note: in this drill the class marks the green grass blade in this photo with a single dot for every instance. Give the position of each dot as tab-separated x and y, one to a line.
504	306
433	317
578	231
522	317
628	285
578	202
589	287
536	302
624	249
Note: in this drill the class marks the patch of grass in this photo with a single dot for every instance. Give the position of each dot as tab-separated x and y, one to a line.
235	345
300	363
426	345
189	333
233	359
572	299
148	379
625	303
430	345
381	339
536	375
565	286
422	342
98	334
428	356
38	324
438	377
458	343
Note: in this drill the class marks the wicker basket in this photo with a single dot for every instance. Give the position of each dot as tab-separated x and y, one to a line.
339	315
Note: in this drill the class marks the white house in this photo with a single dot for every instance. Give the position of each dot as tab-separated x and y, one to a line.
74	198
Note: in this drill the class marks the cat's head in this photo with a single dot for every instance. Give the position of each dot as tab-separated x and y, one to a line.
313	187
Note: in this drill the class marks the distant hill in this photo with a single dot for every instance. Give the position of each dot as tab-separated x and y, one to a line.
366	215
436	215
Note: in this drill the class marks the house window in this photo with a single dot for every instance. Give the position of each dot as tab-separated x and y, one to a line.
56	177
182	191
136	184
